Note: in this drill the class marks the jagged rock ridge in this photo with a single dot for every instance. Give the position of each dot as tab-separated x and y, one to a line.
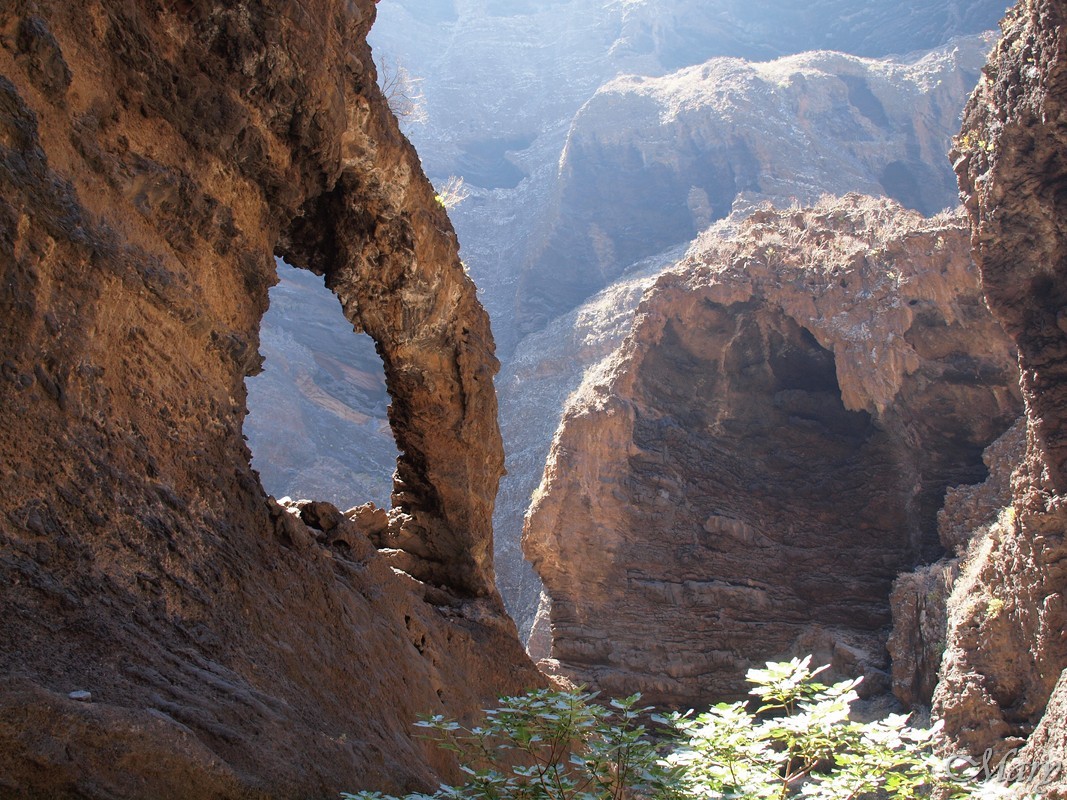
768	450
651	162
514	128
1003	679
153	161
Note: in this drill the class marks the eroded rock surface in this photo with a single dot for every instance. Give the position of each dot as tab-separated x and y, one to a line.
153	160
768	450
318	421
651	162
1002	678
534	385
971	517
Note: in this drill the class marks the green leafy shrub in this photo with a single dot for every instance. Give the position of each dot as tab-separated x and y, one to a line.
552	746
798	742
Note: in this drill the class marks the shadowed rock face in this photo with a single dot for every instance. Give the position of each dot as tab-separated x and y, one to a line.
1002	679
153	161
749	472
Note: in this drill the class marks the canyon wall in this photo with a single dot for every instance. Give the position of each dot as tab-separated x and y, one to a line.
745	477
167	629
1003	679
650	162
504	84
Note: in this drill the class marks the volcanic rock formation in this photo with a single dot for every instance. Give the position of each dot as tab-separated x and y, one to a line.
153	160
1003	678
768	450
534	66
650	162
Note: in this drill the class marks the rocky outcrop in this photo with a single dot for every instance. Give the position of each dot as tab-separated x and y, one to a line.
768	450
1002	678
506	138
534	385
536	64
154	160
970	518
651	162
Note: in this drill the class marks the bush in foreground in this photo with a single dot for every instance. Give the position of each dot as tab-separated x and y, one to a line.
797	742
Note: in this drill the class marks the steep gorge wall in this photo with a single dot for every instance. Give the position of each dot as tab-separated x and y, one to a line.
768	450
650	162
153	160
1003	680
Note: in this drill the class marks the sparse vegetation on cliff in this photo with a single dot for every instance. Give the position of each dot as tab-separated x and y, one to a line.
798	742
452	193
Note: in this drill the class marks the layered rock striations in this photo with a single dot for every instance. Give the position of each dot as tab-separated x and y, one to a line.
153	162
651	162
1003	678
546	367
631	183
768	450
502	84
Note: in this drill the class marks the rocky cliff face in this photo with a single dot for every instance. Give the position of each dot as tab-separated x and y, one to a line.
768	449
534	385
154	160
651	162
534	65
502	84
1003	679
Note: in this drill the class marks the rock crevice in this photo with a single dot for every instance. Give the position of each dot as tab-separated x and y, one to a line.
1001	681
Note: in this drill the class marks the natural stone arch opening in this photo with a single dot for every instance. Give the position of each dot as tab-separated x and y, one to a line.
318	423
389	253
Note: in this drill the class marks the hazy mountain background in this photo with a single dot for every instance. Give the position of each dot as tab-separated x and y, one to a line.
596	140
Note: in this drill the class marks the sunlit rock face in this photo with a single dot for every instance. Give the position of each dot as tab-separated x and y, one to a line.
503	83
651	162
153	163
544	230
648	164
746	475
1002	680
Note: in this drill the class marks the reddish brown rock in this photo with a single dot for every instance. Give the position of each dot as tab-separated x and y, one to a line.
153	160
768	450
920	599
1007	641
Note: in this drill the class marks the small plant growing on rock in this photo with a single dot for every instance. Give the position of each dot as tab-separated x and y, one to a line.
402	92
798	742
452	193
